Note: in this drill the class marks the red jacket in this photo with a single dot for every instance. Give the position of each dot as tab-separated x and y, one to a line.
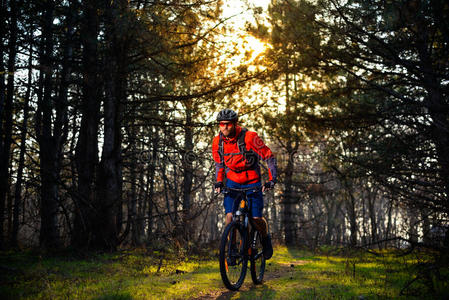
234	167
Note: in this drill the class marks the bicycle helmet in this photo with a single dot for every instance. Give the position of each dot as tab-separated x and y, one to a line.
227	115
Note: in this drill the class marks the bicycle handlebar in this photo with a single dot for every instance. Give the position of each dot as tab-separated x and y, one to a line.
225	188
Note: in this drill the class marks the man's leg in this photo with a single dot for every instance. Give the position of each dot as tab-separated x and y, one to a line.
260	223
228	218
229	203
262	227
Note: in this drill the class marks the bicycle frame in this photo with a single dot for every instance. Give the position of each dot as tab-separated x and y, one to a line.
245	211
249	249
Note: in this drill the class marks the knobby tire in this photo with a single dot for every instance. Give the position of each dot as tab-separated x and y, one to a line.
233	265
256	257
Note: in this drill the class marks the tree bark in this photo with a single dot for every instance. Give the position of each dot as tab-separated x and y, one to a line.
438	107
49	143
413	225
23	135
110	170
188	174
352	218
389	222
132	214
6	115
141	204
372	196
333	207
86	154
3	186
288	201
149	197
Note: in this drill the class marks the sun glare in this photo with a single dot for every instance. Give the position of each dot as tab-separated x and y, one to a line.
246	48
254	46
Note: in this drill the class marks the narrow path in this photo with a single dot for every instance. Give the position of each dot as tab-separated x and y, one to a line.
271	272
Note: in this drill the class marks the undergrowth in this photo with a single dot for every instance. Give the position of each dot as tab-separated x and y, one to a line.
175	274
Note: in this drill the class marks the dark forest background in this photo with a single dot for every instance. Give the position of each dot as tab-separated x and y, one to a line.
108	112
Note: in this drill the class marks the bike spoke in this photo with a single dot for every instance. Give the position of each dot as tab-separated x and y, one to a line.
258	255
233	262
257	259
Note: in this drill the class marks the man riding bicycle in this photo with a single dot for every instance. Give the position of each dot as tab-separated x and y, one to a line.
236	152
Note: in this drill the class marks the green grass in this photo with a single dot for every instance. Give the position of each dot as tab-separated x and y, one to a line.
290	274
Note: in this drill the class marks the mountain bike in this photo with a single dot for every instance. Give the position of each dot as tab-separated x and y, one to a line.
241	242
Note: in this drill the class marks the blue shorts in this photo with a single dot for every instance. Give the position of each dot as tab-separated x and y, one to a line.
232	199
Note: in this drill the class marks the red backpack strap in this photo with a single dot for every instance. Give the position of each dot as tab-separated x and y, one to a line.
241	141
250	156
220	148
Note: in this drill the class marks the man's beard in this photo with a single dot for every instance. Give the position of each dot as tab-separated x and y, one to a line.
231	134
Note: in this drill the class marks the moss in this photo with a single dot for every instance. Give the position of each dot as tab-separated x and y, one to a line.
137	274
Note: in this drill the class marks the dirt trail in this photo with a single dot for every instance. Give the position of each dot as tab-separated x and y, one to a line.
271	272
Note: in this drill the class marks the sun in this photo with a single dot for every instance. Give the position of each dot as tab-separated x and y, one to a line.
247	51
240	12
241	50
254	46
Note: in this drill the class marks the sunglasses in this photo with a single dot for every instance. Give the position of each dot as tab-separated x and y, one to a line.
223	124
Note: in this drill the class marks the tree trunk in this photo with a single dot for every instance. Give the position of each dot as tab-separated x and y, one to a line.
364	237
3	14
142	205
51	127
352	219
55	114
86	153
150	191
332	211
275	229
288	206
176	199
438	109
389	223
6	138
132	214
372	214
3	185
426	225
23	135
110	177
166	193
49	142
188	174
413	225
288	201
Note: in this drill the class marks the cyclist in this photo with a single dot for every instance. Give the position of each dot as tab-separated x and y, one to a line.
236	152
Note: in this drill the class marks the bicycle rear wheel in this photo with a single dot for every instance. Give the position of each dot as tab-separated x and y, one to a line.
233	259
257	258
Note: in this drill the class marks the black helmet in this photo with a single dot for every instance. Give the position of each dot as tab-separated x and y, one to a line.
227	115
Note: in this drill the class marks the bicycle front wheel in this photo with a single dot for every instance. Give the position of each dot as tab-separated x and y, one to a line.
233	259
257	258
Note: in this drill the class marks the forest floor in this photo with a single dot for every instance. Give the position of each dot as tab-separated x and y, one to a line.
168	274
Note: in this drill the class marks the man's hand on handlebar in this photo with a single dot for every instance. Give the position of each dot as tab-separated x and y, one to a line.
218	187
268	186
